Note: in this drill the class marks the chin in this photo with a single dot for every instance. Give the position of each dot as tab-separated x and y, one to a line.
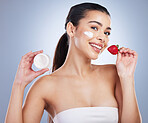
94	56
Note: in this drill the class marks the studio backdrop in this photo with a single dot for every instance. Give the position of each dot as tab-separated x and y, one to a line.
35	25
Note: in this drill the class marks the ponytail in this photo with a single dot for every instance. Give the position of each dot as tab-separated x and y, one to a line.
60	52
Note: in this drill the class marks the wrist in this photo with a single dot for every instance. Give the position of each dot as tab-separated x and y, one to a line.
127	83
19	84
127	78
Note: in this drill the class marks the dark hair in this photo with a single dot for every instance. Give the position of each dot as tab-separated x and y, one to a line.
75	14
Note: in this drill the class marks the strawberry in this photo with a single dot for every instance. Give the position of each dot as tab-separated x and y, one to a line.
113	49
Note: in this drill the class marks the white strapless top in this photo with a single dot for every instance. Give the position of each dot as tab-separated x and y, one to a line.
87	115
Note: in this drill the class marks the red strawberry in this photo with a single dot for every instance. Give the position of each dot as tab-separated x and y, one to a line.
113	49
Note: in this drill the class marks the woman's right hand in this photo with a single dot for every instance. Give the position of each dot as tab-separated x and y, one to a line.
25	74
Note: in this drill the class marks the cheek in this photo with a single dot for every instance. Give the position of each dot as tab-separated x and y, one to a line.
106	43
83	36
88	34
107	40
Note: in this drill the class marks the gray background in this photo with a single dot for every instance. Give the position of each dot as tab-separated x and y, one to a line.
35	25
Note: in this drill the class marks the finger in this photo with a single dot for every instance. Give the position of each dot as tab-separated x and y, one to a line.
41	51
123	54
40	72
125	50
26	55
35	53
31	56
126	54
135	54
131	53
128	50
122	49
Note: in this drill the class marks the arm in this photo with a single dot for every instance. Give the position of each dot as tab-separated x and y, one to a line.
130	110
127	102
125	90
34	104
16	100
33	108
23	77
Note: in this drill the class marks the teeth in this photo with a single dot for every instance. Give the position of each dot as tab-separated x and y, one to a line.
96	46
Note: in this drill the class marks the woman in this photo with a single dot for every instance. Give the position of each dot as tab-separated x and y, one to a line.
78	91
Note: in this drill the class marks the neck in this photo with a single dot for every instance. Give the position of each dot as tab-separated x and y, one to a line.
77	63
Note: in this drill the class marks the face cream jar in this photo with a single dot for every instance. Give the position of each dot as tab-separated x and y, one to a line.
42	61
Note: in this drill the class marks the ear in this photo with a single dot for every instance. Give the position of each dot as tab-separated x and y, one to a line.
70	29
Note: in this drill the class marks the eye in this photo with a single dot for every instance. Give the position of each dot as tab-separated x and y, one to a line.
107	33
95	28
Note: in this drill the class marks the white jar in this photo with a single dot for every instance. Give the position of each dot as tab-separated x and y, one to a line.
42	61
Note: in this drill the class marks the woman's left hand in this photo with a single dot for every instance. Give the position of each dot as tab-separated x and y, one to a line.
126	62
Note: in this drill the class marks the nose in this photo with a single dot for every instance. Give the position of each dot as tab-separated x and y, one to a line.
101	37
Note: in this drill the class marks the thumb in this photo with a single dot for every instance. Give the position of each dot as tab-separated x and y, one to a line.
40	72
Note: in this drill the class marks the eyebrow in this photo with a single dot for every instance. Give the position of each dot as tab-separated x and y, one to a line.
99	24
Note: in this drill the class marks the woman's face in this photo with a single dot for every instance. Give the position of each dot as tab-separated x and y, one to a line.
93	30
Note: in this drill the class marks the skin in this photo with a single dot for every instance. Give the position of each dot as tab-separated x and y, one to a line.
78	83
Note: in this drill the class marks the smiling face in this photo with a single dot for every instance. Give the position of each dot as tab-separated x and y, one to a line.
92	30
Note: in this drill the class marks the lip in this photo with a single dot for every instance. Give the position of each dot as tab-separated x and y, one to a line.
101	45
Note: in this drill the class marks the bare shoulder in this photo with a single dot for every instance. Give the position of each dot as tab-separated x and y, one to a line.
107	68
42	86
43	81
